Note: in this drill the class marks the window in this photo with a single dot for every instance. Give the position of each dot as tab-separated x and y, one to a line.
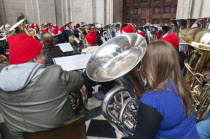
156	10
155	21
135	11
167	9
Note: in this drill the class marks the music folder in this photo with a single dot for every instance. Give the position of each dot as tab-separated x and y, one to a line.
74	62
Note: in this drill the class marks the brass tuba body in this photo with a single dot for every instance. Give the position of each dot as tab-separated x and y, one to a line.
197	62
118	58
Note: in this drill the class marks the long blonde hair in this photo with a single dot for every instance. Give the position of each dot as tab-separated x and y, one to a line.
161	65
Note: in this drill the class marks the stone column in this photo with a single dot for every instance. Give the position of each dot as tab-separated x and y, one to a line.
2	13
187	9
117	10
40	11
63	11
184	9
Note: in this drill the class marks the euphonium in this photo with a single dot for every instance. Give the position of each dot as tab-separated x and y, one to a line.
118	58
197	62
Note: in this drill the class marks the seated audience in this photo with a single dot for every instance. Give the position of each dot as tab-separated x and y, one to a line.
34	98
50	50
166	109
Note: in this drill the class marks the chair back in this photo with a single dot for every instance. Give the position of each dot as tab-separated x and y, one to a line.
75	129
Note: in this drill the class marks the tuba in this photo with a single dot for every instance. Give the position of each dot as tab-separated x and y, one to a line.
78	100
197	62
119	58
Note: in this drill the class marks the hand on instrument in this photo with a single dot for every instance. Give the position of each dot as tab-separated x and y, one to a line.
119	134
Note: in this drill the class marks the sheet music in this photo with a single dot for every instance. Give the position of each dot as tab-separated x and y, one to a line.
75	62
77	40
65	47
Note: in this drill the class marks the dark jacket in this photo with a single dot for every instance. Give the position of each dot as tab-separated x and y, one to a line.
57	39
34	98
64	37
51	52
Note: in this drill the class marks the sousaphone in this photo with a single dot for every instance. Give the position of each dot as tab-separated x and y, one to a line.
197	62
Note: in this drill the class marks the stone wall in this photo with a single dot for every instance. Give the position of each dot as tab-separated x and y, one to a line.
61	11
187	9
10	10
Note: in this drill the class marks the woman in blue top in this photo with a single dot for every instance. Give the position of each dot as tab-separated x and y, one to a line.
166	110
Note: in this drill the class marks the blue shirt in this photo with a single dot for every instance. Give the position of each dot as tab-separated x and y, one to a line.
175	124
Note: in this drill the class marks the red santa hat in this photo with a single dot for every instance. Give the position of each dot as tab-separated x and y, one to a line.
54	27
91	37
44	30
171	38
31	26
140	32
36	25
61	29
54	31
158	35
50	24
128	29
76	26
23	48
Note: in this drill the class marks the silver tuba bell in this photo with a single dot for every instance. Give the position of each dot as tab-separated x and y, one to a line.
119	58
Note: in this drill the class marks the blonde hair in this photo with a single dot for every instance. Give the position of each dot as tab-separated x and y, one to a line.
161	65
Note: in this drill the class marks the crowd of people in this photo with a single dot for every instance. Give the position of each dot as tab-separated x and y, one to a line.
34	92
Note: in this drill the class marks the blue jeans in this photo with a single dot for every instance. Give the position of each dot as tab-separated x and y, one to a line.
203	128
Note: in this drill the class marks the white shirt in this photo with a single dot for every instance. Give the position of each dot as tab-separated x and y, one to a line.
90	49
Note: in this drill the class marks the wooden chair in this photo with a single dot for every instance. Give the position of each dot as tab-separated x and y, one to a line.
75	129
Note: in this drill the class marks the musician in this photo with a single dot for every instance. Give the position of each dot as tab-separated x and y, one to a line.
166	109
50	49
128	29
34	98
21	17
44	30
36	27
64	35
7	27
93	40
56	37
2	29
